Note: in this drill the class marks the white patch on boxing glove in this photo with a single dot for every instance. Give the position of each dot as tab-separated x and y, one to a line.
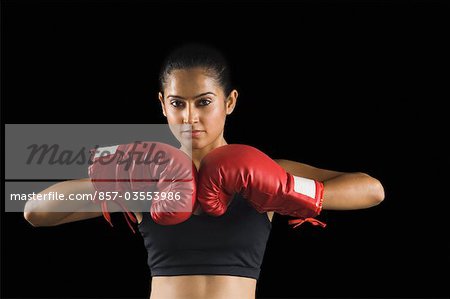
105	151
305	186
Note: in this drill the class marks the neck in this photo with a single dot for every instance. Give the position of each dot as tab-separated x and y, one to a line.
199	153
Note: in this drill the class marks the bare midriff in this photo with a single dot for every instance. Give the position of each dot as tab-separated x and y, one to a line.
202	287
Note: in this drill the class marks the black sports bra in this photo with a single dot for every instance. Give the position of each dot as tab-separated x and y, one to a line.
231	244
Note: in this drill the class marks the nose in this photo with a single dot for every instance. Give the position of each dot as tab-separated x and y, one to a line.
190	115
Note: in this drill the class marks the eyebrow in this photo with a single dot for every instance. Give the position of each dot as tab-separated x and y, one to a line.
197	96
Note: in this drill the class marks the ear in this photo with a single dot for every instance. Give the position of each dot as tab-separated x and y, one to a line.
163	106
231	101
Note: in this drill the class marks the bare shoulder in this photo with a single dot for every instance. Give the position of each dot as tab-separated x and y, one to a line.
307	171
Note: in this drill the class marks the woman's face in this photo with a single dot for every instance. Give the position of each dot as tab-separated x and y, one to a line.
194	98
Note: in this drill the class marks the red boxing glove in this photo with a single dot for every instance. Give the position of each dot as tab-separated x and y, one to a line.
145	173
266	185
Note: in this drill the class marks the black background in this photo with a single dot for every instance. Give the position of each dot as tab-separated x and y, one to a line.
342	85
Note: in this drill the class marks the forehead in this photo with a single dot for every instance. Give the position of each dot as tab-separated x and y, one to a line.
190	82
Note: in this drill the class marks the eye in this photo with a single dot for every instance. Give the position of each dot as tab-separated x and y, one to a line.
204	102
177	103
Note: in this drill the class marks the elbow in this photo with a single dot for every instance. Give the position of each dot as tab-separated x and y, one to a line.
31	218
35	216
37	219
379	191
375	190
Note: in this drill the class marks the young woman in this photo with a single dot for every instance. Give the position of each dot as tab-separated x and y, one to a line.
212	256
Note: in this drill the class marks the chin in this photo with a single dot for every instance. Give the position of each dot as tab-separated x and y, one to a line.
193	143
198	144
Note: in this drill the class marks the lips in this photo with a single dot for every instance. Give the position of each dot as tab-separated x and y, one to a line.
193	133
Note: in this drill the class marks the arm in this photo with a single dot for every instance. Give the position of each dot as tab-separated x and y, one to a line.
37	212
343	191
